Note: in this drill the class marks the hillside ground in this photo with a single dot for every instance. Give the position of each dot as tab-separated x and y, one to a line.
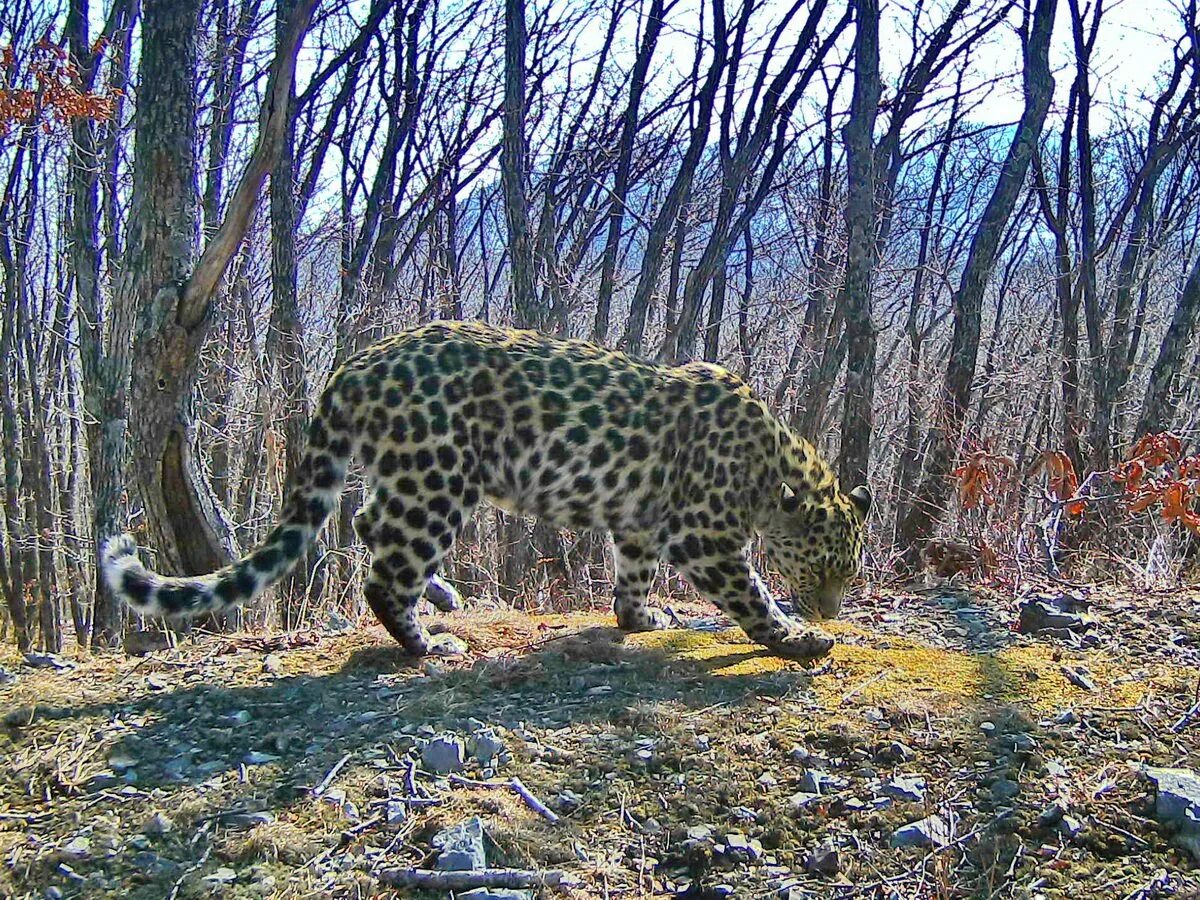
680	763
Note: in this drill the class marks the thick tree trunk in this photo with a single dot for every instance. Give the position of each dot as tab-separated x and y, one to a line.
855	299
174	306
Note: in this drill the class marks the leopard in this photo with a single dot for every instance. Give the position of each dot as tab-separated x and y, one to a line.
683	463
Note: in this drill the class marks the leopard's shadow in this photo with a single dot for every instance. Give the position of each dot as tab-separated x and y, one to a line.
294	729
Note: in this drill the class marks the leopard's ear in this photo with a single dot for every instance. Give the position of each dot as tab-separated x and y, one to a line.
861	498
788	499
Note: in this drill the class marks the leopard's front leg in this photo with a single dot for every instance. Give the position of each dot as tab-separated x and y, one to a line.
722	571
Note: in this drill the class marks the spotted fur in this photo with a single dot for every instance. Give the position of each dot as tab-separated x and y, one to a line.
679	463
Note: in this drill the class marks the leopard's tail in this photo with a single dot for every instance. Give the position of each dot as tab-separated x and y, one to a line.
311	498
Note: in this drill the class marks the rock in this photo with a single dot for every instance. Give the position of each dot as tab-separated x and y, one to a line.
21	717
48	661
462	848
799	754
1020	742
395	813
273	664
651	826
1177	804
568	801
246	819
335	623
816	781
987	727
1066	717
78	848
800	801
1005	789
494	894
53	893
906	787
1051	815
743	814
1040	617
1070	827
699	833
824	860
443	754
1079	676
483	744
220	878
740	849
447	644
255	758
120	761
7	678
158	825
932	831
236	719
337	797
895	753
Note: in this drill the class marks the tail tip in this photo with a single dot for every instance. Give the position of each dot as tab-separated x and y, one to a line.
118	547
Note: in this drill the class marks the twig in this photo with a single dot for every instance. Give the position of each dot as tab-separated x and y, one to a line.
1161	881
436	880
515	785
1186	718
862	686
330	775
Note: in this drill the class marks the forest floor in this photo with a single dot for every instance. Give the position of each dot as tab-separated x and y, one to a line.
679	763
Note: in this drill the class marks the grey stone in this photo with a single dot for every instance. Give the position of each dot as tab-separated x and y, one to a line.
906	787
568	801
1051	815
1005	789
443	754
895	752
48	661
816	781
78	848
1177	804
742	849
255	758
801	800
158	824
699	832
273	664
53	893
395	813
461	847
824	860
932	831
494	894
221	877
246	819
1040	617
1069	827
485	745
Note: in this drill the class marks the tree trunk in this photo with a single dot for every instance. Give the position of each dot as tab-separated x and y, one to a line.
1161	401
858	134
931	497
174	306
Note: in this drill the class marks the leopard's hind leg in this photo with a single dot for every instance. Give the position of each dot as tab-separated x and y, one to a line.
408	537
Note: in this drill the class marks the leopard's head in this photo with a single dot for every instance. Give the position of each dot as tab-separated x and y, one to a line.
815	541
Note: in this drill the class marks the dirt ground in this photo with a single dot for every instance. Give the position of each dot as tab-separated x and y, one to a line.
680	763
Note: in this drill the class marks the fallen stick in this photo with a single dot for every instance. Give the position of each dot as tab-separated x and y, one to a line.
1186	718
437	880
515	785
330	775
